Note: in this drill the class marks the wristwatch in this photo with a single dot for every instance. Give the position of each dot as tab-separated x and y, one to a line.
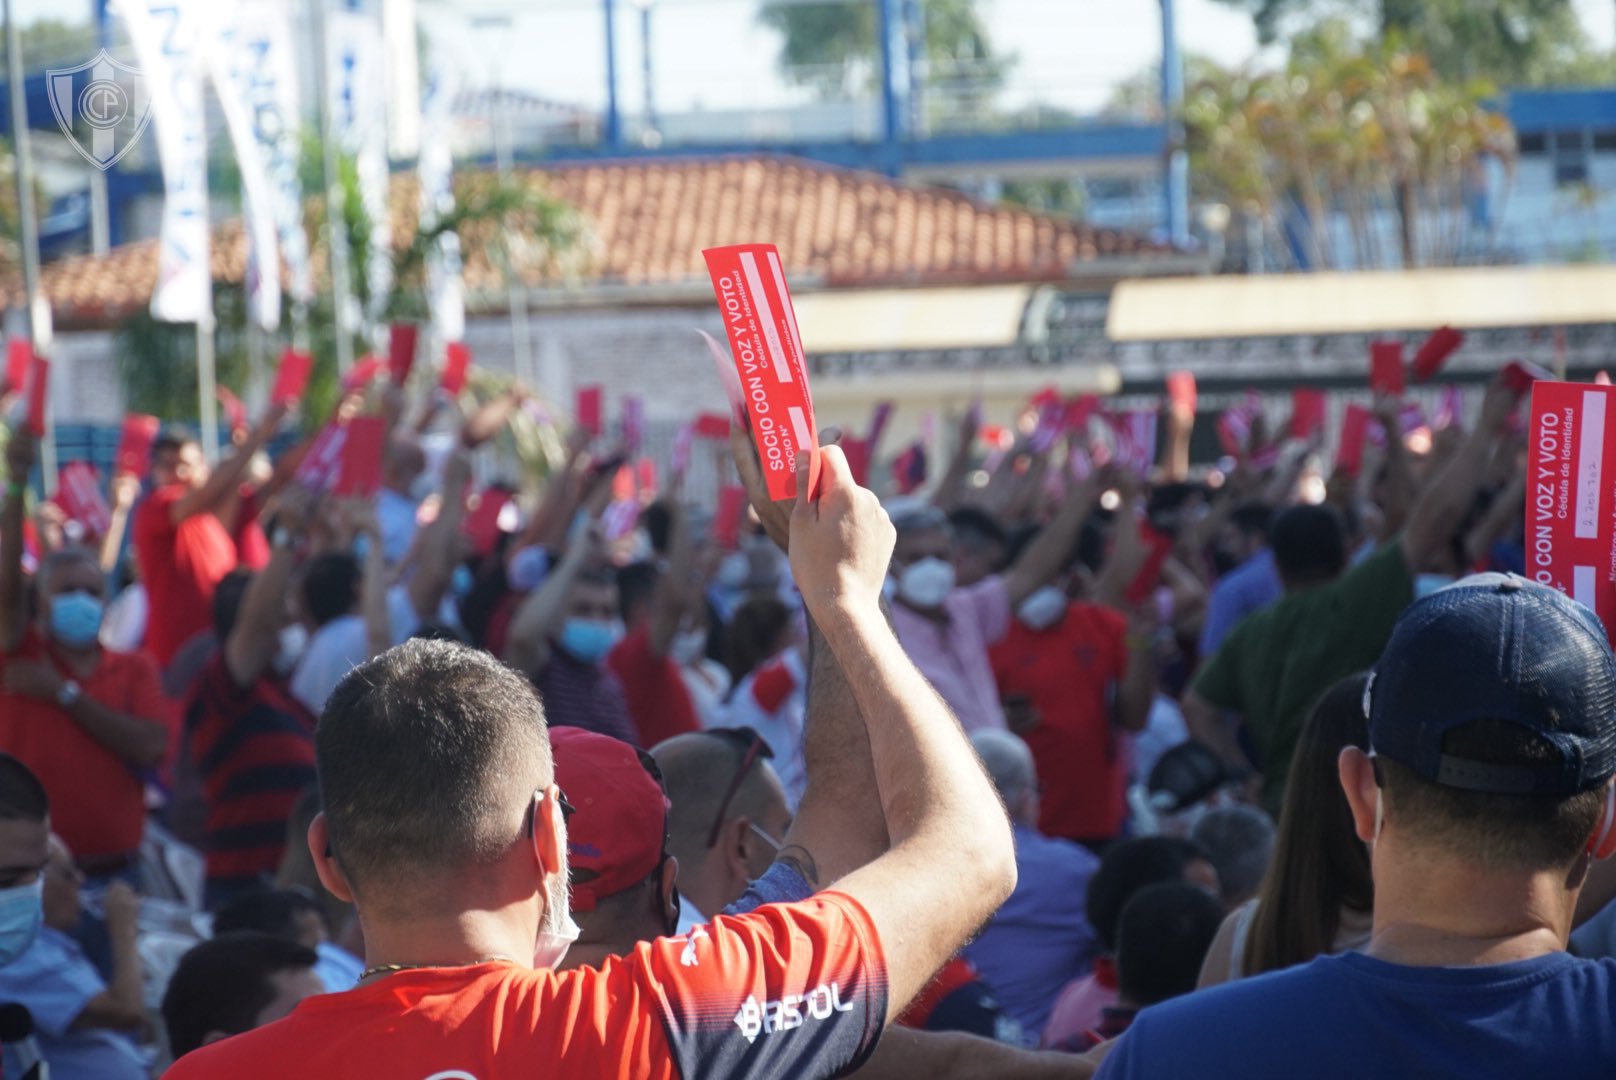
69	694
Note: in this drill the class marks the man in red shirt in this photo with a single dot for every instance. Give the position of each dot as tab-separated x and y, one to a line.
184	549
443	823
85	719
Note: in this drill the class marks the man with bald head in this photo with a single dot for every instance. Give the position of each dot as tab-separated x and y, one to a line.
84	719
1040	940
405	483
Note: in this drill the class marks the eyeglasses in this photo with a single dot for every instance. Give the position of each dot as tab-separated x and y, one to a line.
567	809
755	746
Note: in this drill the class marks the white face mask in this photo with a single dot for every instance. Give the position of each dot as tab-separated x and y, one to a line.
687	646
294	639
926	583
557	930
1043	609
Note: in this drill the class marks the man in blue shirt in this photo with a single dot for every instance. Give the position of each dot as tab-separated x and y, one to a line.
1041	939
1254	581
1485	798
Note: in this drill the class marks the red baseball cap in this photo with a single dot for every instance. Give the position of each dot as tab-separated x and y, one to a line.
620	829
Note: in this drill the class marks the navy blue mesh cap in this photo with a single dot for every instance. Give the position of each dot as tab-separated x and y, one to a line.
1497	647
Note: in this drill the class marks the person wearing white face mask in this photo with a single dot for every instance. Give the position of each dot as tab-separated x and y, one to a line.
947	631
244	719
561	635
1074	676
83	718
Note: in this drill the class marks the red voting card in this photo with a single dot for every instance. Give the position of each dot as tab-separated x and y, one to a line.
857	452
19	355
1157	547
456	363
317	471
1386	368
134	445
1355	424
235	413
1435	352
750	285
711	426
588	411
727	520
633	421
292	377
401	341
1181	392
38	394
482	523
1570	527
1307	412
360	473
363	373
645	475
1519	376
78	493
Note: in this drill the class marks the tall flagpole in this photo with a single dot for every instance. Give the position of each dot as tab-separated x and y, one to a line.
39	330
336	222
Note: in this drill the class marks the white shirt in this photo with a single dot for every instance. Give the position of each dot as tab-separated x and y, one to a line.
342	645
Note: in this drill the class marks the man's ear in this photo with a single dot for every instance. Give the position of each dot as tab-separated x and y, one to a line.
1356	771
549	845
325	864
732	840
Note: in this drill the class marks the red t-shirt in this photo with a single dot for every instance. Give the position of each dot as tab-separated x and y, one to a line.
97	801
657	698
795	990
182	565
1069	673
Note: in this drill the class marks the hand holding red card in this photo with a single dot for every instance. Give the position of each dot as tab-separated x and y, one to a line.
135	443
1307	412
1435	352
749	283
1355	423
360	473
456	363
1519	376
1569	501
401	341
1386	376
292	377
588	412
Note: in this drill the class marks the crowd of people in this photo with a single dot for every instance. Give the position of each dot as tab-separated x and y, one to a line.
1057	768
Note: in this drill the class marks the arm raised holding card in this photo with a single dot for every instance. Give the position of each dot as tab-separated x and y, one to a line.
222	483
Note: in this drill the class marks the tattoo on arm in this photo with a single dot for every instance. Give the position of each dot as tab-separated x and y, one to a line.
801	860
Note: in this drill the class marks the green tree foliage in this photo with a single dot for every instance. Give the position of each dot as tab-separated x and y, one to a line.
1508	42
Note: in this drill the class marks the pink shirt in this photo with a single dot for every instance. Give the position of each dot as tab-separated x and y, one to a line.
1082	1004
953	654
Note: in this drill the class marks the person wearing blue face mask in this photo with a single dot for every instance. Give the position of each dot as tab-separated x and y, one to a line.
561	635
87	721
24	852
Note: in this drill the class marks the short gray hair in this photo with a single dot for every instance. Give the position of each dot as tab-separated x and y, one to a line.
1008	762
65	557
1239	841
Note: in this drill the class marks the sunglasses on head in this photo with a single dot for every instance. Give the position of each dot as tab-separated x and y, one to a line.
752	746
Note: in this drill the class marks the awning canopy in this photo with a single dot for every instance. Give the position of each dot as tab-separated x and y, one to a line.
1176	309
897	320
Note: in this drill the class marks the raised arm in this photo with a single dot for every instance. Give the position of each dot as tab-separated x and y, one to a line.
1049	550
950	491
223	481
13	605
255	637
437	546
952	862
839	825
672	596
125	490
1446	500
527	645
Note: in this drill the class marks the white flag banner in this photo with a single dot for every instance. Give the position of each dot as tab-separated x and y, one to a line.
357	83
227	67
445	286
264	45
167	36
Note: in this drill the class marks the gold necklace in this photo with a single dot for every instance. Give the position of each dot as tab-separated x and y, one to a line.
393	969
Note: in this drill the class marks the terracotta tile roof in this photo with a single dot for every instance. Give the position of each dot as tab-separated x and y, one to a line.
647	222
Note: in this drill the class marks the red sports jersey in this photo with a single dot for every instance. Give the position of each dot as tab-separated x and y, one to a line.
795	990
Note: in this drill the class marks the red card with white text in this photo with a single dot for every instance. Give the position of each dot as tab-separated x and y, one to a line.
19	355
1435	352
711	426
456	362
1307	412
38	394
292	377
361	471
401	341
750	285
588	409
78	493
317	471
135	443
727	519
1571	494
1386	368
